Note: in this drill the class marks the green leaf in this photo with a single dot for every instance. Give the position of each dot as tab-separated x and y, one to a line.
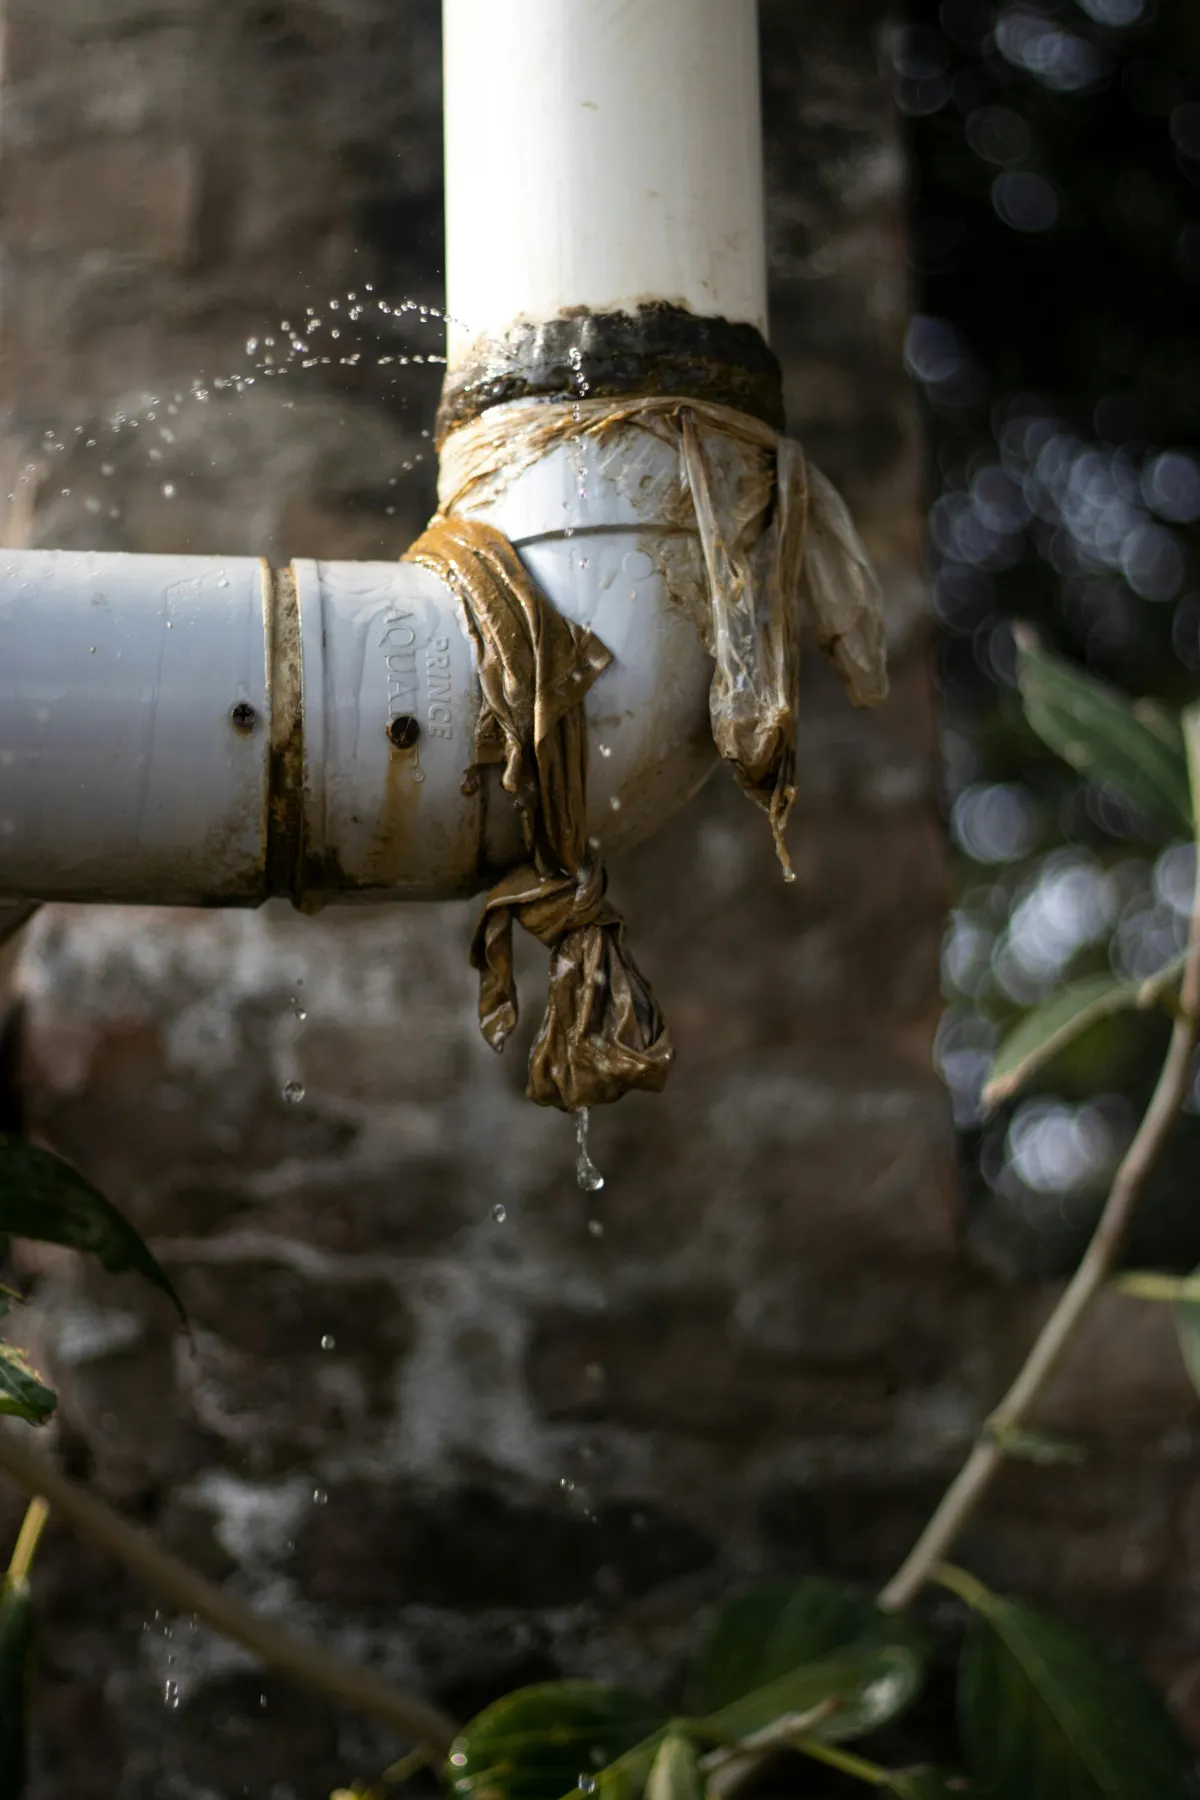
1035	1446
870	1682
44	1198
675	1773
16	1646
766	1631
784	1647
537	1743
1050	1027
1137	748
1046	1711
931	1784
23	1395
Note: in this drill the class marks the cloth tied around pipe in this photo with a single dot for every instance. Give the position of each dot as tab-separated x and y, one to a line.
777	543
776	539
602	1033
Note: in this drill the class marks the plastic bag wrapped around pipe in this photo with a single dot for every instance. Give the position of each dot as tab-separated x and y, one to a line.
777	540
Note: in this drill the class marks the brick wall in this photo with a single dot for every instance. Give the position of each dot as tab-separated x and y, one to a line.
478	1451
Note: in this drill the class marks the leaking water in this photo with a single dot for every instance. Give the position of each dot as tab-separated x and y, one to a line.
586	1173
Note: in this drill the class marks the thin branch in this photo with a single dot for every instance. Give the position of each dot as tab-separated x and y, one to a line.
971	1483
359	1689
28	1539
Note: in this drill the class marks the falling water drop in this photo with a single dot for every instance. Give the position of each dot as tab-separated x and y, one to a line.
586	1173
328	1342
499	1212
293	1092
587	1784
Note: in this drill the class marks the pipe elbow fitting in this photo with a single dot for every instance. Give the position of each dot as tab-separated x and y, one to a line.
394	805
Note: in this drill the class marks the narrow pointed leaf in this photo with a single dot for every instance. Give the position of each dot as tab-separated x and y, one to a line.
675	1773
535	1744
1187	1329
1058	1021
932	1784
1046	1711
1137	748
1037	1447
44	1198
16	1646
23	1394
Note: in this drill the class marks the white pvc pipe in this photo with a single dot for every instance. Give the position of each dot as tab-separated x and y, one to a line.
601	153
123	775
195	730
140	697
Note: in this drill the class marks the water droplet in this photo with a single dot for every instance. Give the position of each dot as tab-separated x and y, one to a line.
171	1695
499	1212
587	1784
168	489
586	1173
222	580
596	1226
293	1092
604	749
615	804
320	1496
566	1484
459	1759
329	1342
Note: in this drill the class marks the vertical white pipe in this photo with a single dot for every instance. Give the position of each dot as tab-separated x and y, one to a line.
601	153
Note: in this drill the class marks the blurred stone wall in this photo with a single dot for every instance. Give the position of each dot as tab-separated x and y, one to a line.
478	1449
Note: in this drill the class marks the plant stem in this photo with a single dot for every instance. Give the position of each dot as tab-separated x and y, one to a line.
728	1769
28	1538
359	1689
845	1760
973	1479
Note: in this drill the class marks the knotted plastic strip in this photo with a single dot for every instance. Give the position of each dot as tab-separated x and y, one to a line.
602	1032
776	540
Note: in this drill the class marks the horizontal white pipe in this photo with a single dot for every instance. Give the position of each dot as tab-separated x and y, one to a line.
146	702
122	772
601	153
